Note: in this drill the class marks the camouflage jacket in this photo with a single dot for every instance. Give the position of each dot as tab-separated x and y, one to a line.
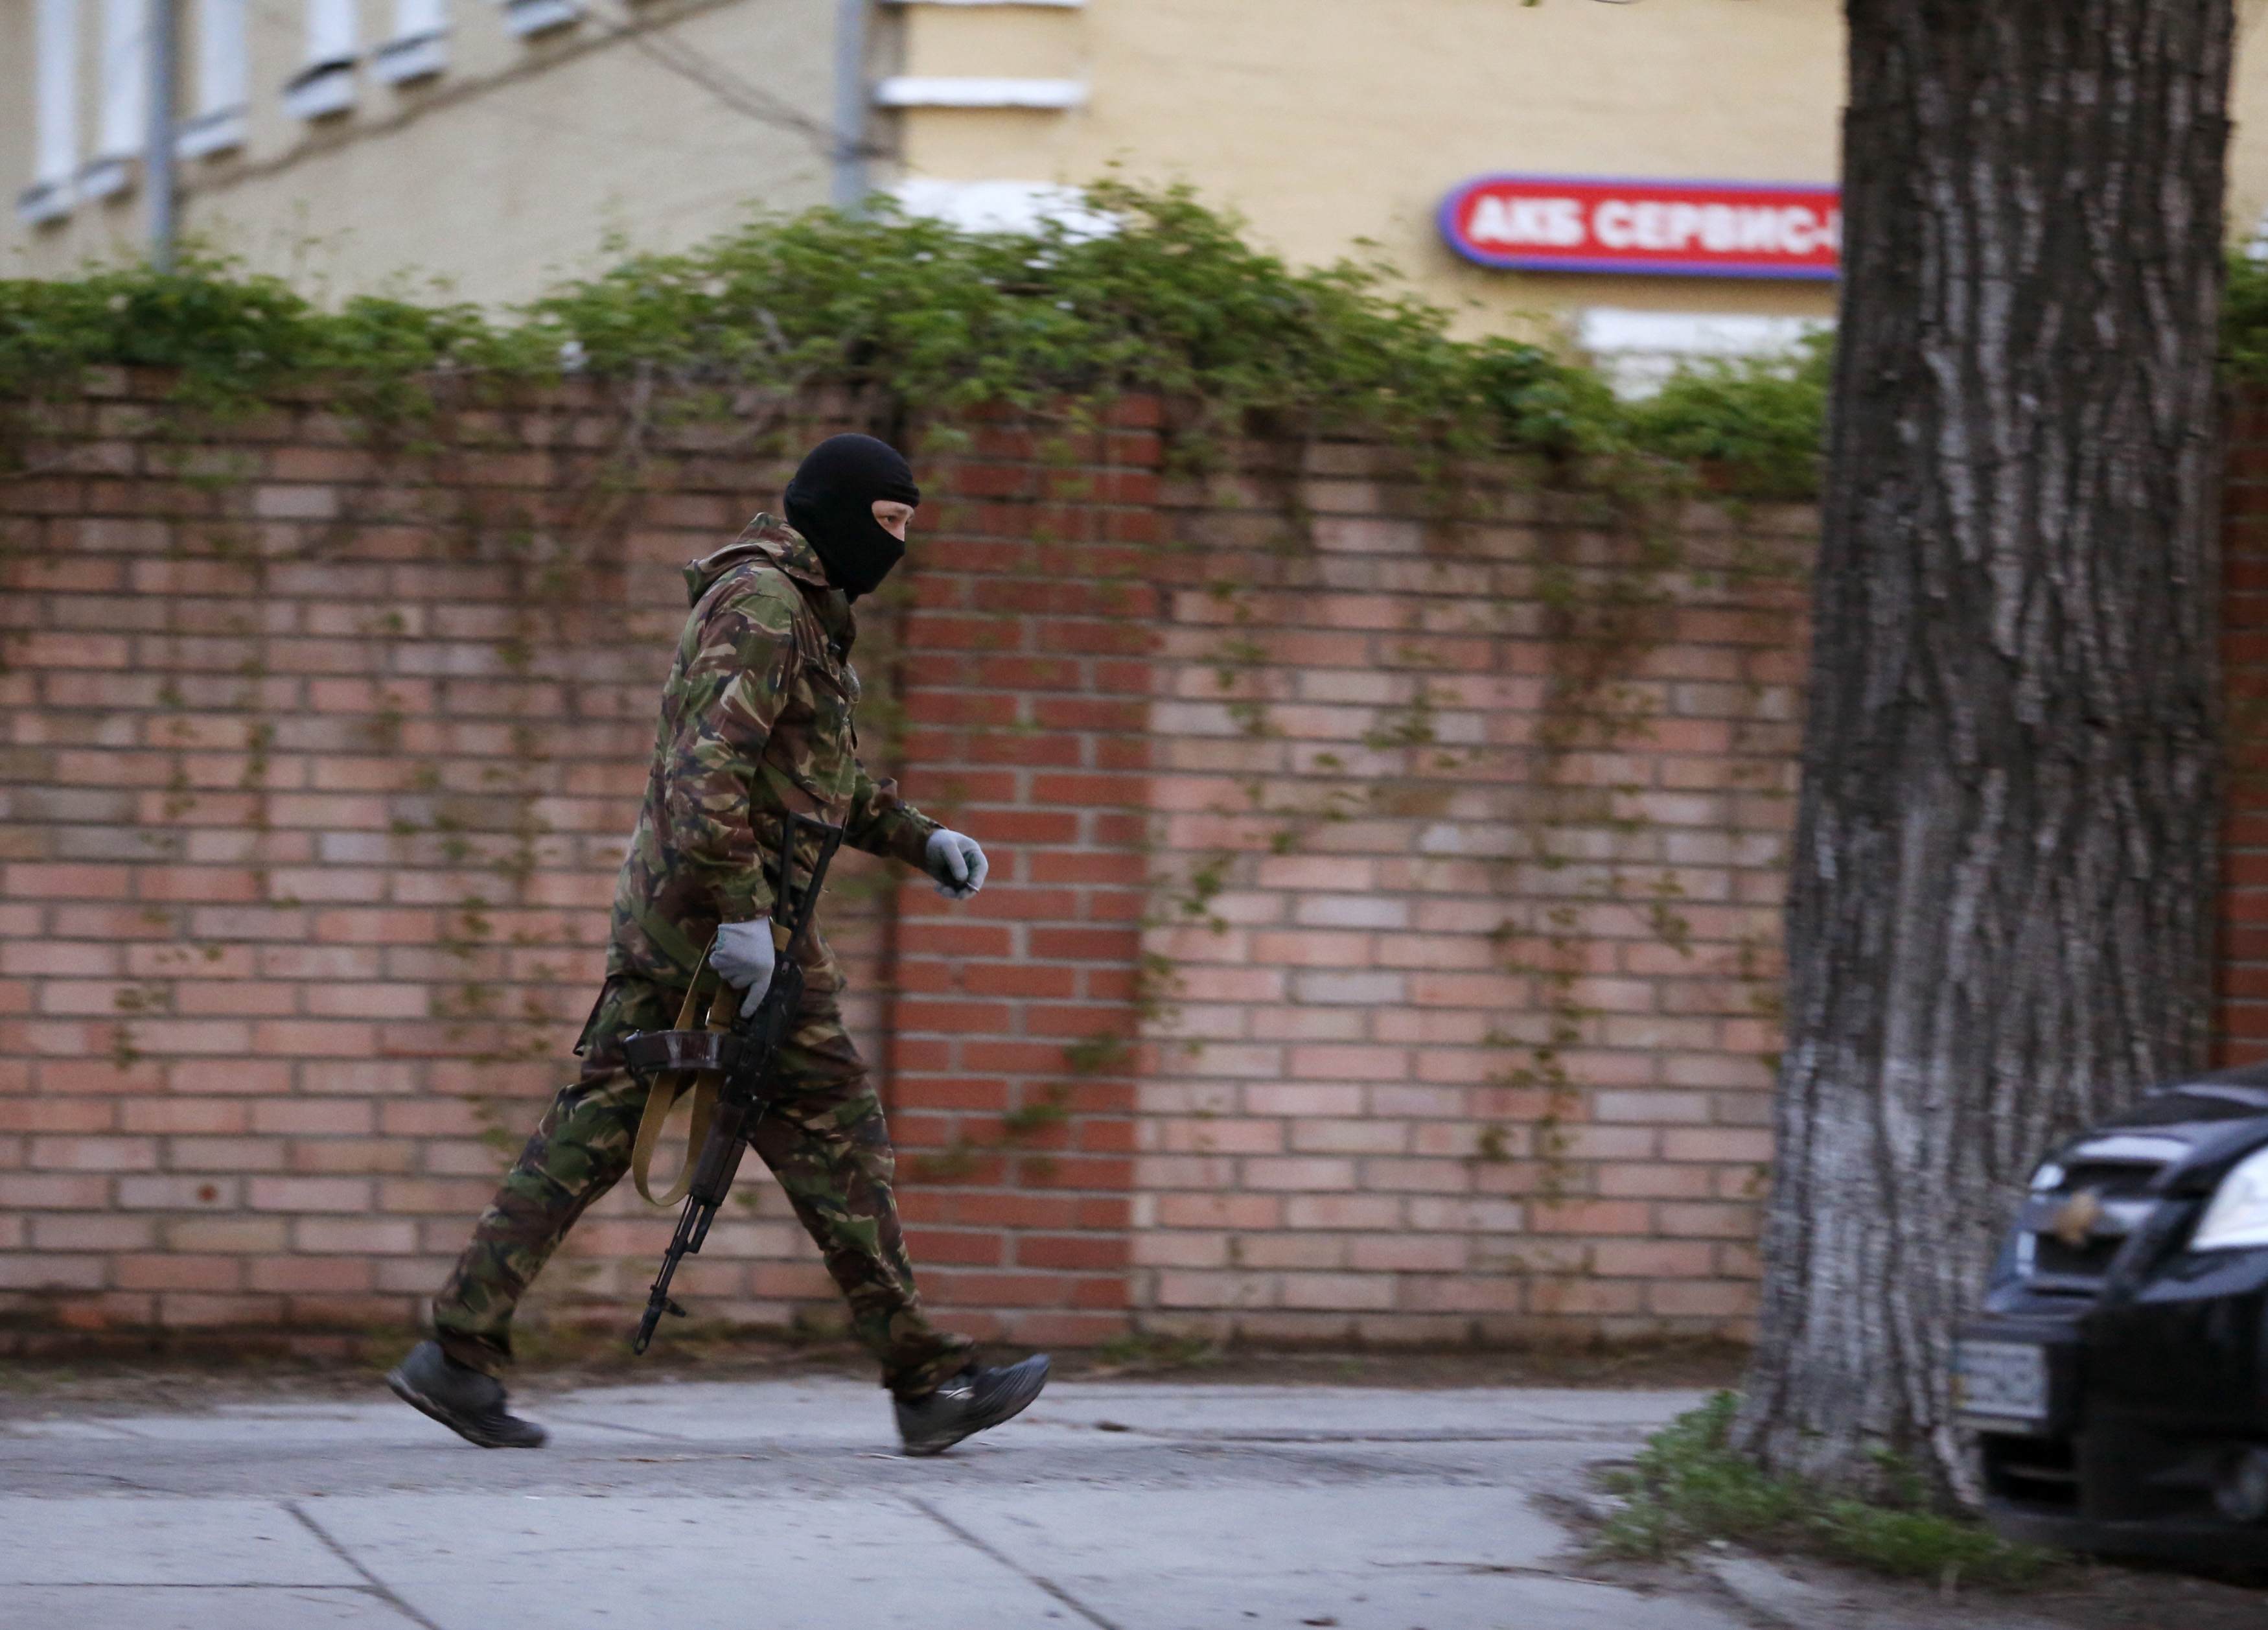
755	721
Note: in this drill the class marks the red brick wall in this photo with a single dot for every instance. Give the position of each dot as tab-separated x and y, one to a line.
1026	682
1366	1144
317	764
313	792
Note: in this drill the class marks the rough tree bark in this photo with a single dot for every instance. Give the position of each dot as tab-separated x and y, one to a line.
2003	877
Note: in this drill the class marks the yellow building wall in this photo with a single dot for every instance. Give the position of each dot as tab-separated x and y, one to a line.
1326	121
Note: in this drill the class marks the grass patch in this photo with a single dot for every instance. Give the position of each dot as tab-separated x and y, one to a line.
1688	1488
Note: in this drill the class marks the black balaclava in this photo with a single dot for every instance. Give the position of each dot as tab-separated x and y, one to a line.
831	502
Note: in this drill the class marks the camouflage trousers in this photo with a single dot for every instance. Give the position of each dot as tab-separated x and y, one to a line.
824	1139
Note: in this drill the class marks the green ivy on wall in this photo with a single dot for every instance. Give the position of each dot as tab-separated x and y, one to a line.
1175	301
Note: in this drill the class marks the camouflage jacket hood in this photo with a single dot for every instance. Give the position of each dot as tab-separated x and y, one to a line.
764	538
756	721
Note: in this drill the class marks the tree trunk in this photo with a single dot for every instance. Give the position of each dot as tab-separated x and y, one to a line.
2002	888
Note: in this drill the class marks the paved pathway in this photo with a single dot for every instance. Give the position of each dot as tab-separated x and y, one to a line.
783	1505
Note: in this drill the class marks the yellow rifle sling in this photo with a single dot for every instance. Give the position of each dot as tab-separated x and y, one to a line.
670	1085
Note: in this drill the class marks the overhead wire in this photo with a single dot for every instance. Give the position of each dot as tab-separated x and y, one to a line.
742	96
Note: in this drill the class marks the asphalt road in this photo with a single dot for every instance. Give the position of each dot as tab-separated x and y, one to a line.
782	1504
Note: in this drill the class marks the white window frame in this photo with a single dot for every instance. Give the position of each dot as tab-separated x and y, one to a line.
1638	351
334	32
55	117
122	79
121	88
223	71
1003	206
536	17
325	85
419	47
224	80
979	90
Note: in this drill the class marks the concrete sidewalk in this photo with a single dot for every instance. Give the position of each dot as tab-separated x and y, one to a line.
784	1505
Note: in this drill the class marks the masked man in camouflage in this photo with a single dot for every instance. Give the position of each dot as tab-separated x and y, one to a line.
756	723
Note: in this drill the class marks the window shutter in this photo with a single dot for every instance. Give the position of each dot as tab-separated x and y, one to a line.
415	18
221	72
125	78
55	91
330	33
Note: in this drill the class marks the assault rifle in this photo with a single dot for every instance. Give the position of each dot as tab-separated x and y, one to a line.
742	1062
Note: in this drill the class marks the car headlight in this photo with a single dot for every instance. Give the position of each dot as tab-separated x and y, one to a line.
2238	1216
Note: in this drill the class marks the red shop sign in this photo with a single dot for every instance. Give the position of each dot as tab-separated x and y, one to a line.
1589	223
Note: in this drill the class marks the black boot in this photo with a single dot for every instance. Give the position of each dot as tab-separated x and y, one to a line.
971	1402
462	1398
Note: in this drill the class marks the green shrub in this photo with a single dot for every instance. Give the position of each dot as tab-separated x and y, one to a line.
1174	301
939	319
2244	321
232	335
1759	426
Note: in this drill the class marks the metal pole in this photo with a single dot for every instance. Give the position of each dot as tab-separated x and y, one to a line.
850	94
157	162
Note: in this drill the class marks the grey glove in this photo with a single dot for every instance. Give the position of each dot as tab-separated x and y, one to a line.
957	864
743	958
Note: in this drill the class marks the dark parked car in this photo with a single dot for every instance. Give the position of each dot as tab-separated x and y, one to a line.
2118	1373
